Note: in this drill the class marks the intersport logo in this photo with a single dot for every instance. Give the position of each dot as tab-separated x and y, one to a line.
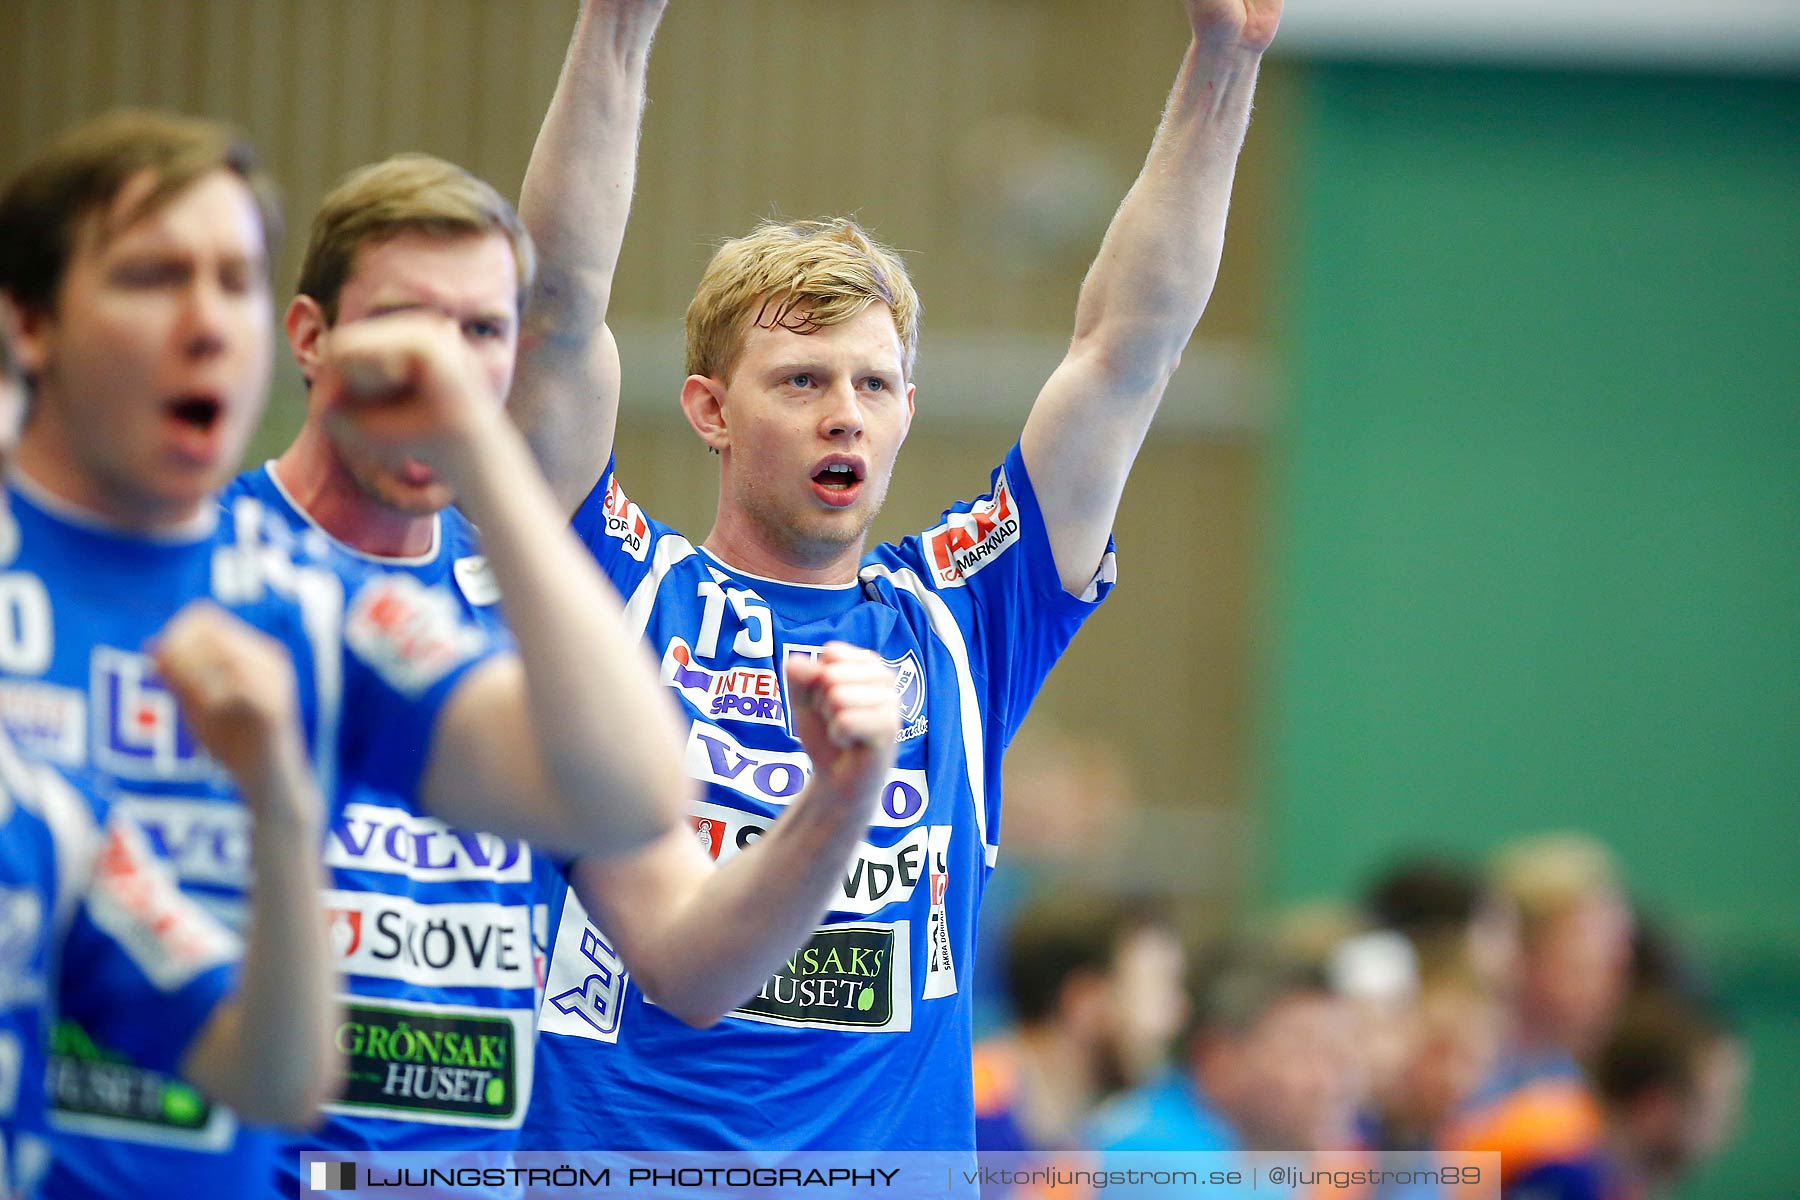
376	837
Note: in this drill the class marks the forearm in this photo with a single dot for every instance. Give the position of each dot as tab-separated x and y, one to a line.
577	191
575	201
700	942
270	1052
1156	267
605	732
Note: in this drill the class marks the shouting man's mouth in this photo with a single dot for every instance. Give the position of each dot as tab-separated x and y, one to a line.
193	423
838	480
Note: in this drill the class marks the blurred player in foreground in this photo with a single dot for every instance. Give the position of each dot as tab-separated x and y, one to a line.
97	930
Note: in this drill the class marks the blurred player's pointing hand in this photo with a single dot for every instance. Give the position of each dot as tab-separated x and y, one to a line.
846	716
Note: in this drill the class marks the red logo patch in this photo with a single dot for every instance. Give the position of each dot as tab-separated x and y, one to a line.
967	542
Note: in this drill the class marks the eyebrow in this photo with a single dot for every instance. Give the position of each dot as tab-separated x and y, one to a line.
382	308
817	368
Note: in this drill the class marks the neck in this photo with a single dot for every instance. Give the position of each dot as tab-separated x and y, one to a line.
45	459
319	484
1057	1085
737	542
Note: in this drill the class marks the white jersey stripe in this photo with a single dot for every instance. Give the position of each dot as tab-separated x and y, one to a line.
671	548
944	625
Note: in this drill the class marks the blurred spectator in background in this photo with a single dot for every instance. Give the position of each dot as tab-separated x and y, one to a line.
1097	993
1669	1080
1575	938
1451	915
1266	1064
1070	813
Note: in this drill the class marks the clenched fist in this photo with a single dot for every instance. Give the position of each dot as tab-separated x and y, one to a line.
236	689
406	385
1249	24
847	717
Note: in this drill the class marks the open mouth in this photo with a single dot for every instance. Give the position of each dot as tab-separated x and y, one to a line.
838	477
838	482
199	413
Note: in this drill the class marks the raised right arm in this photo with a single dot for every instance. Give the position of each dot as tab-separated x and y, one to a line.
576	198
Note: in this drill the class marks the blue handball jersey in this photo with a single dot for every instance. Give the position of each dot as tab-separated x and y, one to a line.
440	931
862	1040
374	662
92	926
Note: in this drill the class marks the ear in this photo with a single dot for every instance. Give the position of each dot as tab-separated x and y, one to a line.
703	403
27	328
907	427
306	329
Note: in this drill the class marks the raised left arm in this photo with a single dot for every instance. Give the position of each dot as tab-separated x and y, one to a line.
1146	290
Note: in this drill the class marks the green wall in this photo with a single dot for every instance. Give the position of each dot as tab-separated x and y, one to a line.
1537	505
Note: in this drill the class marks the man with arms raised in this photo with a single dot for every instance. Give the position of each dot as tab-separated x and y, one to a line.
801	342
418	240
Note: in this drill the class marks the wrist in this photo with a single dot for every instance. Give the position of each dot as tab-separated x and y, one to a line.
281	790
1226	48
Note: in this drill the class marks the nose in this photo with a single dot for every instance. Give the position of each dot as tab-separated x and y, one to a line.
206	318
843	416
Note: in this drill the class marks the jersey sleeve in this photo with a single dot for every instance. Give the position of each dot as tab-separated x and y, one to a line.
143	966
988	584
620	537
990	561
408	645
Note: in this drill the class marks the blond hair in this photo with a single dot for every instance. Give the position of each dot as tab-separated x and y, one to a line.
408	193
798	275
1549	875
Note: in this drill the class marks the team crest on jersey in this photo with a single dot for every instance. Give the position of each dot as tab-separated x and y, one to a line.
625	521
909	689
736	694
967	542
139	732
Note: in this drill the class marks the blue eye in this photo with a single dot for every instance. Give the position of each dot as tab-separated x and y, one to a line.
875	384
802	380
